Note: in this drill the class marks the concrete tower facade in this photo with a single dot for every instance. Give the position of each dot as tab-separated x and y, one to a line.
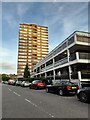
32	47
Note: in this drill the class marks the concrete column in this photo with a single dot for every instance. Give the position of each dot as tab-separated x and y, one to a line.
45	66
40	75
70	71
77	55
75	37
39	69
53	62
79	76
68	54
36	70
45	74
54	74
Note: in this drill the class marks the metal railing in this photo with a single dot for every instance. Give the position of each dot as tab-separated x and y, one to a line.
49	66
72	57
60	62
84	55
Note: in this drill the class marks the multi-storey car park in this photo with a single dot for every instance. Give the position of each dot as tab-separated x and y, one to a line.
70	60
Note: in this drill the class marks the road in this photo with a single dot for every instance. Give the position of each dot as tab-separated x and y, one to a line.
21	102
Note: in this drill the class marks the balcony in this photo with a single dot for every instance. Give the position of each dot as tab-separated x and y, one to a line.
72	57
49	66
84	55
85	39
60	62
85	75
43	69
81	55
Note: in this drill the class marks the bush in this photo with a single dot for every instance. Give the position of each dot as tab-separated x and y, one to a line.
5	78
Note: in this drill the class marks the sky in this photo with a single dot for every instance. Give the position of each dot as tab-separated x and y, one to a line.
61	18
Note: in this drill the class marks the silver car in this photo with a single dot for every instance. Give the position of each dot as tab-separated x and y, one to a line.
25	84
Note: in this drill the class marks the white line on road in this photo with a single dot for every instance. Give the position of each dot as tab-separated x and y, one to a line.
9	89
30	102
16	93
51	115
39	107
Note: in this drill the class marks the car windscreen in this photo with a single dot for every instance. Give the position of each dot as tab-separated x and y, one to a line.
36	81
26	81
68	83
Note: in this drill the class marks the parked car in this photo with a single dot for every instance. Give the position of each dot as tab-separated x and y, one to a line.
18	82
37	84
5	82
62	87
83	94
25	84
11	82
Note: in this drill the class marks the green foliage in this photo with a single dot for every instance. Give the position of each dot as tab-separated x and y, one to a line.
21	79
26	72
26	79
5	77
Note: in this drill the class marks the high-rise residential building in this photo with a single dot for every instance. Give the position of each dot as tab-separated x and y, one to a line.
32	47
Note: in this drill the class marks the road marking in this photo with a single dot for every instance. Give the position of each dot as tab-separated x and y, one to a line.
28	100
9	89
34	104
39	107
51	115
31	102
16	93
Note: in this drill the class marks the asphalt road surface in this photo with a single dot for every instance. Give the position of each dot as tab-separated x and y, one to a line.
19	102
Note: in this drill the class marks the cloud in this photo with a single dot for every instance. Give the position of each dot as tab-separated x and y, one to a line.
7	67
22	9
58	12
10	19
61	18
4	52
77	20
65	18
7	61
14	16
52	46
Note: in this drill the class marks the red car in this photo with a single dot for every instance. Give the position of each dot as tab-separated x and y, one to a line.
37	84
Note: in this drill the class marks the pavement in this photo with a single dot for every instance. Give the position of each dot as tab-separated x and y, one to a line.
19	102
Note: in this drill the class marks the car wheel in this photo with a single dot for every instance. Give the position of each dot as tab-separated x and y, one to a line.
61	92
47	90
36	88
83	97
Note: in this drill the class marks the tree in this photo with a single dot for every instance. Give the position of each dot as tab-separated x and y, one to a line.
5	77
26	72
